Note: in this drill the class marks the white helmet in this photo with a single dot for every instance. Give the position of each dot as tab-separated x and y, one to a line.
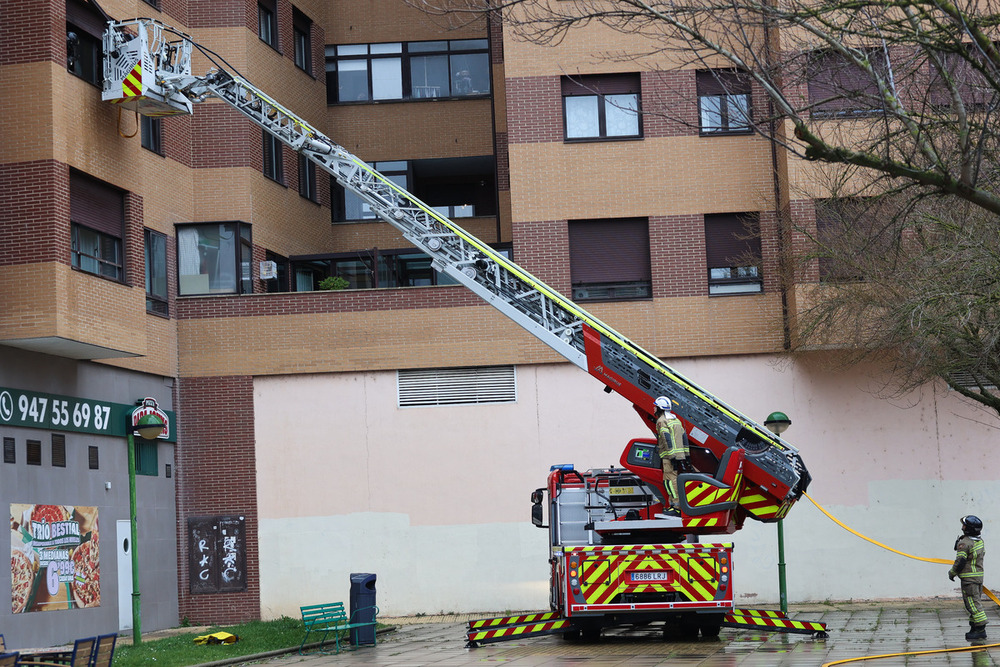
663	403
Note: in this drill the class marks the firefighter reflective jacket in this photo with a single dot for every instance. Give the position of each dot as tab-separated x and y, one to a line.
971	552
670	442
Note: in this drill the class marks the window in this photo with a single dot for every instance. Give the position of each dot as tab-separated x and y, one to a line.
9	451
455	187
156	272
723	102
84	34
146	457
307	178
732	250
851	229
93	457
456	386
601	106
971	84
266	27
97	216
34	453
153	3
151	133
370	268
407	70
280	282
302	32
214	258
273	158
838	87
609	259
58	450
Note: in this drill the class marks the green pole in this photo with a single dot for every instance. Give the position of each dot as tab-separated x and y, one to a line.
136	609
782	591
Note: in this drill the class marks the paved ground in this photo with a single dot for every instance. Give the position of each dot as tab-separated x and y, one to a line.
857	629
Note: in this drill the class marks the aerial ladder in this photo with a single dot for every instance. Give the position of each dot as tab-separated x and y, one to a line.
742	469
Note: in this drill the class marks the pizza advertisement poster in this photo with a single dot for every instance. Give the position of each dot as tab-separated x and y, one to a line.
54	558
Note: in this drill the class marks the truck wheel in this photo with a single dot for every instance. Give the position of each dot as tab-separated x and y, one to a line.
711	628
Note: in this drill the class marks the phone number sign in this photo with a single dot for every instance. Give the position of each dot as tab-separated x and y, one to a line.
64	413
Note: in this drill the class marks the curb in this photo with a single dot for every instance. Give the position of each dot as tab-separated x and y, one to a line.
252	657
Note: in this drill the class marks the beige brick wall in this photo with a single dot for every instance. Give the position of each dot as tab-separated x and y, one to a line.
678	175
53	300
460	336
389	21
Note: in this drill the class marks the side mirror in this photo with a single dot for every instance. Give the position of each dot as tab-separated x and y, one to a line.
537	496
536	515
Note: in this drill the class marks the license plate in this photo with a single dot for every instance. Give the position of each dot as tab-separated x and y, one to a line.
624	491
658	575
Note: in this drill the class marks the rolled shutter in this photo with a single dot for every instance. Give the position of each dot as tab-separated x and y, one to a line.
722	82
606	251
96	205
730	238
601	84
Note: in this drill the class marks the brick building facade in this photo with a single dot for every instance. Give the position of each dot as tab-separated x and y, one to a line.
291	422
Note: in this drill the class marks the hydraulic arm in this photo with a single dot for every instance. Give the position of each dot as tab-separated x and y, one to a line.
148	68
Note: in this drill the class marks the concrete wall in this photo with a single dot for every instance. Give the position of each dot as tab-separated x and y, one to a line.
435	500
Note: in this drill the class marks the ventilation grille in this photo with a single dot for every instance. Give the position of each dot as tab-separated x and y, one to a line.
968	380
457	386
58	450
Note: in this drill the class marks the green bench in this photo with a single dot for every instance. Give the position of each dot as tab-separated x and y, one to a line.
331	617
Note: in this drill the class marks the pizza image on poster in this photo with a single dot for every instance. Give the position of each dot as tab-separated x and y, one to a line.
54	557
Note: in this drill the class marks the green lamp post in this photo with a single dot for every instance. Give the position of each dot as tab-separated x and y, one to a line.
149	427
777	423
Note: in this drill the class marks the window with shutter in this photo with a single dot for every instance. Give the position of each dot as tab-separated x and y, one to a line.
84	32
723	101
601	106
97	216
609	259
838	87
58	450
273	162
302	29
733	251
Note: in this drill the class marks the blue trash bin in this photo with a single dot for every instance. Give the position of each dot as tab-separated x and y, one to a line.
362	602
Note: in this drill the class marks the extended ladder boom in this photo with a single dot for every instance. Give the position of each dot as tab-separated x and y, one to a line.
149	71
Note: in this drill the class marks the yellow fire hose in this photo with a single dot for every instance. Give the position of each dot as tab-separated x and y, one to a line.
988	592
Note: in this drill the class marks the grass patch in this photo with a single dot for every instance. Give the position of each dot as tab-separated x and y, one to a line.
181	651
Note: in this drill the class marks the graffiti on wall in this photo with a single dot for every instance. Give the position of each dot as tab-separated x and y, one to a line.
217	549
54	558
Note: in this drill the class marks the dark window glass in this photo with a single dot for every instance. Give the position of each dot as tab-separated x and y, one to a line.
454	187
151	133
212	258
302	32
609	259
601	106
9	451
84	32
732	250
411	70
723	102
273	162
280	282
307	178
97	214
58	450
838	87
266	28
93	458
156	272
34	453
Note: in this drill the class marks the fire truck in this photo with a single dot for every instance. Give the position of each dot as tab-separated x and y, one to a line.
615	558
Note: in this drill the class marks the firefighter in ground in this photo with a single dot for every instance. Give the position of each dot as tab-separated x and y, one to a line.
968	567
672	446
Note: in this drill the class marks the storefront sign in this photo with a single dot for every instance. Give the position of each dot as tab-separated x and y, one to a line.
54	558
68	413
